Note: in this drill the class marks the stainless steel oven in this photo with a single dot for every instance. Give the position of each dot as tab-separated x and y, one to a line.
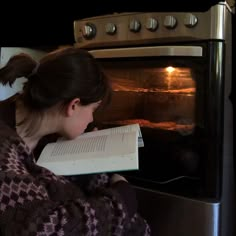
171	73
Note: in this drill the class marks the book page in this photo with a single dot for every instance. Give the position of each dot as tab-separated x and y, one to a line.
118	130
86	147
91	154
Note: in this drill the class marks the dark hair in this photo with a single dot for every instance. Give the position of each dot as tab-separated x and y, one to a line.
59	77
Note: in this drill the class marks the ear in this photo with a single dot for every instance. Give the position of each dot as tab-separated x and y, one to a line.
72	106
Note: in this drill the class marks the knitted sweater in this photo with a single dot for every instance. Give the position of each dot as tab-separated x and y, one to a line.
34	201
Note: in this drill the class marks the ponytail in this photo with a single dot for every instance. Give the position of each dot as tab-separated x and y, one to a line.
20	65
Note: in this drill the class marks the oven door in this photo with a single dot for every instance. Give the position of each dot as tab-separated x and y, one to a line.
167	90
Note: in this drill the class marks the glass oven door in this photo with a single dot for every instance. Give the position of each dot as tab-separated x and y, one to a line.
165	90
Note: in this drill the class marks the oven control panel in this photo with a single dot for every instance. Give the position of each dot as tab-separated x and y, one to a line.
139	28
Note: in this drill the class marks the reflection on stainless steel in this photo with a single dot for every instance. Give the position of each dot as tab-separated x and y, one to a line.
195	51
179	216
182	127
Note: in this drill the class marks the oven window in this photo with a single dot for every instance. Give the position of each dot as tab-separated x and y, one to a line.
157	98
162	96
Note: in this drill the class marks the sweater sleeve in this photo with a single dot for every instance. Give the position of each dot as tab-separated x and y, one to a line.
93	182
128	196
33	201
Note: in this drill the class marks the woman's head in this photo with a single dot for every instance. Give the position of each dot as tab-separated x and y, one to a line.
64	78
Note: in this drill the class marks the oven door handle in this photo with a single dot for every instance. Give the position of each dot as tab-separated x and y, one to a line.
188	51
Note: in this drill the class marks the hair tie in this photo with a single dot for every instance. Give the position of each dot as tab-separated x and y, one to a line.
34	71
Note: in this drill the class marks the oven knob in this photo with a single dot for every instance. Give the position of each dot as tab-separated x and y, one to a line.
170	22
110	28
190	20
89	31
134	26
151	24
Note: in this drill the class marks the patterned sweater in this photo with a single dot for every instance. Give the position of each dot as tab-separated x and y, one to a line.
34	201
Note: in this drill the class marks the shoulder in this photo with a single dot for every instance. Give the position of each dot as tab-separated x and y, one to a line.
7	120
10	141
7	111
6	131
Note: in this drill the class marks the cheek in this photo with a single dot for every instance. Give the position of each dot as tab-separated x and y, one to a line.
87	117
78	124
74	130
81	123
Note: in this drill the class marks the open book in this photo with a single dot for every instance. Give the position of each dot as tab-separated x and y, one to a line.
107	150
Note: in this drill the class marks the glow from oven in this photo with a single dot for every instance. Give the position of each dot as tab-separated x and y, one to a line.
170	69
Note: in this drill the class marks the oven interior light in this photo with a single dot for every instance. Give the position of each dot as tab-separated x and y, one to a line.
170	69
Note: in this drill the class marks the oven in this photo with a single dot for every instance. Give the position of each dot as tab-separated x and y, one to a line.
171	73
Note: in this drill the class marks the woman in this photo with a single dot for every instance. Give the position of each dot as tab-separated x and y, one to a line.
62	93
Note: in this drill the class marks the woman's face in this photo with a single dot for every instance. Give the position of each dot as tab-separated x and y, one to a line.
78	122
